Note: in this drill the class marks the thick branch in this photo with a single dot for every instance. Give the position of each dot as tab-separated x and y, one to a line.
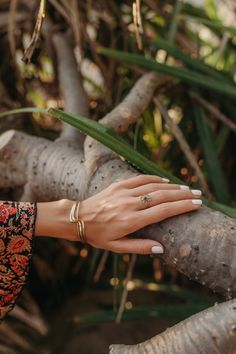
212	331
121	117
71	84
135	103
201	245
47	170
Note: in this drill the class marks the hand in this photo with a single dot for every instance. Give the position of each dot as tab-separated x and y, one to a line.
117	211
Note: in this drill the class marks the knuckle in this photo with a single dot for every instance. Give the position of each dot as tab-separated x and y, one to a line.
164	210
160	195
114	186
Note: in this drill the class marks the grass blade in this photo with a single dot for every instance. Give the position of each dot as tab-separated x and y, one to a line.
212	24
213	166
190	77
195	64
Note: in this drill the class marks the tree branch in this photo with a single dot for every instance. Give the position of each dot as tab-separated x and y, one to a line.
202	244
214	111
122	116
185	148
71	84
212	331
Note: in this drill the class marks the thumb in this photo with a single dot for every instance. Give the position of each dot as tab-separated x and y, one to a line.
139	246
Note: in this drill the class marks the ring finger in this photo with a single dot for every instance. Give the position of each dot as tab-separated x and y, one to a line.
165	196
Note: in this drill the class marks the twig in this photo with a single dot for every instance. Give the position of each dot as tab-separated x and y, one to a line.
185	148
138	23
61	10
101	266
36	33
33	321
11	27
214	110
76	22
223	44
125	291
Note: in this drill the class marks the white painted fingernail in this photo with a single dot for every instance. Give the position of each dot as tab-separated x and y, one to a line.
196	192
197	201
185	188
157	250
165	180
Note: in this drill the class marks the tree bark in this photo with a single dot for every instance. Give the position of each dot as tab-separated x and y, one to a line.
71	84
212	331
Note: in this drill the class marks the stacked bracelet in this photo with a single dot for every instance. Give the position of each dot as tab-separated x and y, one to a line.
74	217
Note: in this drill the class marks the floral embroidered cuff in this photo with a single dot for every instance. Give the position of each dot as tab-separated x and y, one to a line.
17	221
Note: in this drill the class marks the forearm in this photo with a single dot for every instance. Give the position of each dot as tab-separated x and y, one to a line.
53	220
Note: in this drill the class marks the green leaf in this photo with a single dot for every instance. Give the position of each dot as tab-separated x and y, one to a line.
23	110
192	78
212	24
174	21
215	173
195	64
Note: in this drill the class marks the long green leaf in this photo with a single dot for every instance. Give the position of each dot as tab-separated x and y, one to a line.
190	77
213	24
195	64
213	166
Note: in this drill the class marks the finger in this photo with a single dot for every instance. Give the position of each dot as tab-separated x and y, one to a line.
139	246
142	179
152	187
164	211
165	196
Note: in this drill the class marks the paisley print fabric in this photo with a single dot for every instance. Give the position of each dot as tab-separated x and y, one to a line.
17	220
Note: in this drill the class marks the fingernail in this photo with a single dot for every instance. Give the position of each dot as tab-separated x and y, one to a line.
184	188
157	250
197	201
165	180
196	192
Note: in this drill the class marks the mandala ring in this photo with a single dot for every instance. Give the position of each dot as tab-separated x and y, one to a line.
146	199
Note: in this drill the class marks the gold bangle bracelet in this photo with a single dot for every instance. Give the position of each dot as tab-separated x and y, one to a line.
74	212
82	230
80	226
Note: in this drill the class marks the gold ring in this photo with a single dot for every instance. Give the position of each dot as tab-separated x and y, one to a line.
146	199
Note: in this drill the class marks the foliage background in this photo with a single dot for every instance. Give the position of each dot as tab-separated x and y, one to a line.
74	292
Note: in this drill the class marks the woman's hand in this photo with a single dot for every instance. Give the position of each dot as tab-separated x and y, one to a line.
119	210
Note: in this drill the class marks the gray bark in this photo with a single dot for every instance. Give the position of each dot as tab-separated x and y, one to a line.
71	84
212	331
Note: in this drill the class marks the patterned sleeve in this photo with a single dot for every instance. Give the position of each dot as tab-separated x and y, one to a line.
17	220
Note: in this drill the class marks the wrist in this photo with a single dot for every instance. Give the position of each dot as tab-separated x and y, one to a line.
53	220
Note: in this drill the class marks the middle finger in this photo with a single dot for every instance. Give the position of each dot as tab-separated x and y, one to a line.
152	187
